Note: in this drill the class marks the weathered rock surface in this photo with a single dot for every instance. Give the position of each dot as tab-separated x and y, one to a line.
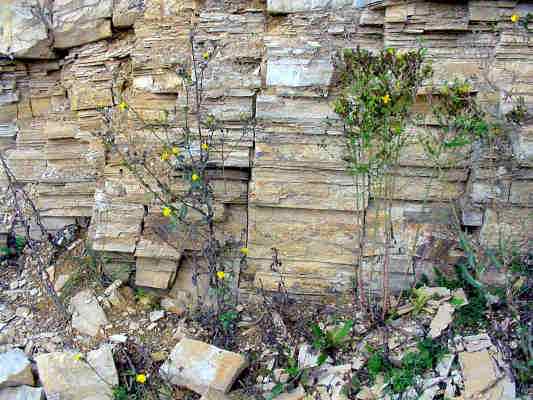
15	369
88	316
442	320
80	22
24	32
22	393
483	378
200	366
102	361
66	378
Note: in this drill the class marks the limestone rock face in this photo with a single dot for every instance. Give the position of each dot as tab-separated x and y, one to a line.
81	22
66	378
288	6
88	316
200	366
22	393
24	33
125	12
15	369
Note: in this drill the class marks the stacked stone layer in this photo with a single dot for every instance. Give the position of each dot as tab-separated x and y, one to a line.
285	187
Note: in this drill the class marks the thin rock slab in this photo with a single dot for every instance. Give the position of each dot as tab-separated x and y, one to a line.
22	393
66	378
442	320
15	369
199	366
88	316
483	379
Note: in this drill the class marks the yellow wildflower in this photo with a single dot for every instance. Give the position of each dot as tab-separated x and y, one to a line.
205	56
78	357
205	146
221	275
194	177
385	99
244	251
165	155
175	150
515	18
123	106
167	212
140	378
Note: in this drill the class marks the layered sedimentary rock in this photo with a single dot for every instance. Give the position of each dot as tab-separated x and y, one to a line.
281	189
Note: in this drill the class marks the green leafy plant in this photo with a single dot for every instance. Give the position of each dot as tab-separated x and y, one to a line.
413	364
326	341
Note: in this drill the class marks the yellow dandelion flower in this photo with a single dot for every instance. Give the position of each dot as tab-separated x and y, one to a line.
205	56
78	357
385	99
175	150
167	212
140	378
515	18
165	155
221	275
205	146
194	177
123	106
244	251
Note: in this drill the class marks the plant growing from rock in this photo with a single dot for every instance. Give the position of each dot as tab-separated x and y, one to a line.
378	91
176	168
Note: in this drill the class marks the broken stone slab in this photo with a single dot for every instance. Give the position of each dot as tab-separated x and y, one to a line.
103	363
15	369
88	316
482	377
155	272
199	366
22	393
442	320
477	342
65	377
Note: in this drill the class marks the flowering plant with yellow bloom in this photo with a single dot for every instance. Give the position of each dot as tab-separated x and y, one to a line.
167	212
140	378
385	99
205	146
205	56
221	275
175	150
194	177
123	106
515	18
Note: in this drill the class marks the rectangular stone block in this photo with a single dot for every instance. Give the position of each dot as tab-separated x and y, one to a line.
299	234
155	272
512	226
311	189
298	72
115	226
